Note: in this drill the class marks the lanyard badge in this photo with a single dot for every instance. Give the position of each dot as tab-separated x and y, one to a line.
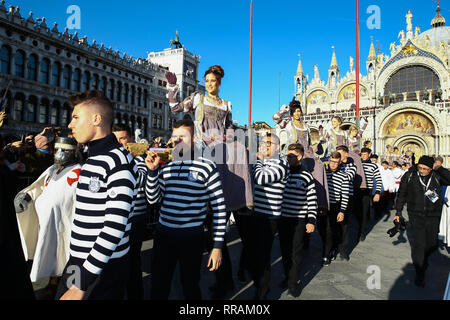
430	194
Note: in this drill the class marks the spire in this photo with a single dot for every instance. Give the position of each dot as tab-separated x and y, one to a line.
438	20
299	68
372	54
333	60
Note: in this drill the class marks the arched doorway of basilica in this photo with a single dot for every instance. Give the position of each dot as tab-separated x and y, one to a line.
411	131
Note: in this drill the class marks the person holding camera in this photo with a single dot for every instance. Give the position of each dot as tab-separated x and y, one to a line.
420	189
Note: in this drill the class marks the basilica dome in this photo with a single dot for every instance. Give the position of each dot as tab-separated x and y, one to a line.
438	32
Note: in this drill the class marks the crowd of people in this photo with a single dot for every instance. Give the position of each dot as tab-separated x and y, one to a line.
84	215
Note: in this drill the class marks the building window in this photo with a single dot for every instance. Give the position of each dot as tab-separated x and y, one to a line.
43	111
19	101
95	82
119	91
32	67
56	72
411	79
76	84
111	89
66	77
155	105
126	92
44	71
154	121
86	81
133	95
102	86
145	98
160	105
54	113
139	97
30	110
20	64
5	57
65	116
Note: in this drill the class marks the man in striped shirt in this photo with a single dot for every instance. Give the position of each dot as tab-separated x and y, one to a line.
270	174
364	195
329	225
298	216
348	166
105	197
138	218
185	187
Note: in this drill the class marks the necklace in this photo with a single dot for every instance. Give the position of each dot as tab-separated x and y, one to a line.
213	99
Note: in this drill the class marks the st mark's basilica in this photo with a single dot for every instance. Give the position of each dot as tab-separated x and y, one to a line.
404	95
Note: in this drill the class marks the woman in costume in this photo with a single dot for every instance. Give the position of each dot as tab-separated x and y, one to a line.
355	136
334	135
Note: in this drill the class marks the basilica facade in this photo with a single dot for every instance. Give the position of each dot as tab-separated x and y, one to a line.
404	95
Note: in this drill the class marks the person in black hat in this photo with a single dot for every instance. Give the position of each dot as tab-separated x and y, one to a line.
420	190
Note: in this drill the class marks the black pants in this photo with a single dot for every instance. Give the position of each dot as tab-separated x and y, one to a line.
135	287
362	208
330	230
244	224
170	247
344	227
291	232
109	285
264	229
425	239
224	275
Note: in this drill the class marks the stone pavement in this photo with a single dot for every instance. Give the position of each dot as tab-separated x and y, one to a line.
341	280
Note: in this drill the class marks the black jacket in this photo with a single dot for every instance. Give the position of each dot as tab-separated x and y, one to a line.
412	192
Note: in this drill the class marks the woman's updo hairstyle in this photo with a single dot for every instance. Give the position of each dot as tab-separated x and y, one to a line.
217	71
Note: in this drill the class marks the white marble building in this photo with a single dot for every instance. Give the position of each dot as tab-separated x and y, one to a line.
45	66
404	94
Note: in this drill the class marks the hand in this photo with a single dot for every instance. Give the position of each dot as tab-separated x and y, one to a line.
396	218
45	131
309	228
152	160
376	198
340	217
171	78
292	102
215	259
73	294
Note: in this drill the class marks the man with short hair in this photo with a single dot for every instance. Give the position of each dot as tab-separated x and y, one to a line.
329	225
270	174
184	187
138	218
438	161
348	166
298	216
105	197
420	190
364	195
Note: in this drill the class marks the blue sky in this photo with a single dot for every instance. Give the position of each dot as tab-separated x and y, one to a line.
218	31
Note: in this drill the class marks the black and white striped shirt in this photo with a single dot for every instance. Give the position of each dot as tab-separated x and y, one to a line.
349	168
270	178
140	206
371	172
338	188
105	198
185	188
299	196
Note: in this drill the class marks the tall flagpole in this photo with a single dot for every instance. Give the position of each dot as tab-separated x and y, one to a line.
357	64
250	85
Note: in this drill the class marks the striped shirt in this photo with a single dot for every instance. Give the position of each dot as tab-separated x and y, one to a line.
185	188
338	188
349	168
105	198
270	178
299	196
371	172
140	206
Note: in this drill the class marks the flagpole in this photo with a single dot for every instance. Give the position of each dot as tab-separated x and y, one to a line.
357	63
250	84
4	95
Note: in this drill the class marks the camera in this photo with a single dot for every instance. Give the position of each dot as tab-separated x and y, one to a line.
398	226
